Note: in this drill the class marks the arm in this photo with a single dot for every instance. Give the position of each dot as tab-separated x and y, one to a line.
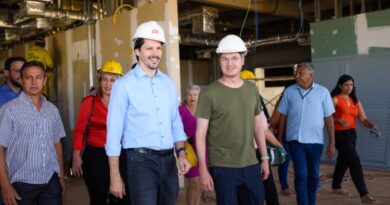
206	181
116	116
329	123
282	127
58	148
260	141
363	117
184	165
271	139
10	196
117	187
78	134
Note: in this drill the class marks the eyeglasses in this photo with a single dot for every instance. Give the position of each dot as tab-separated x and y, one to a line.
234	59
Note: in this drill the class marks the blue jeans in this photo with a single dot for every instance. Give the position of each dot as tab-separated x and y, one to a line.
152	179
228	180
306	160
283	170
40	194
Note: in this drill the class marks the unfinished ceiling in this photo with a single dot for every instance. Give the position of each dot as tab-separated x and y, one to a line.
202	22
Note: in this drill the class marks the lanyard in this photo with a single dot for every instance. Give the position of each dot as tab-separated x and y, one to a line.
304	95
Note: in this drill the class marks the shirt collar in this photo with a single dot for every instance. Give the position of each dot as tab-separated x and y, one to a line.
139	72
313	85
25	98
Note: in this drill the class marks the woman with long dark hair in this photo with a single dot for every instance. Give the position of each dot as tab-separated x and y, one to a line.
348	109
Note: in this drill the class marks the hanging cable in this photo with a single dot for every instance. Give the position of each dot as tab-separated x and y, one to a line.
246	15
301	23
117	10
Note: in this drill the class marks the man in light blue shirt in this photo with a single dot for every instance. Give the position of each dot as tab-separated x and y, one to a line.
143	117
306	107
12	86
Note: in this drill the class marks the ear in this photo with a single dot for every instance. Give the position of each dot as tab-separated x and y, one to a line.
6	73
136	51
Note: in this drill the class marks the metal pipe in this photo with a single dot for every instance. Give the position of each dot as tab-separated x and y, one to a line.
317	10
362	6
88	6
351	7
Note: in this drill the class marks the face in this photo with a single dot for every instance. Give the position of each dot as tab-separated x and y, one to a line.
231	64
192	97
149	54
303	77
33	80
347	87
106	83
14	73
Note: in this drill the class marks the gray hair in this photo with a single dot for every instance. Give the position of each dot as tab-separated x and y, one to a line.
192	87
188	89
305	65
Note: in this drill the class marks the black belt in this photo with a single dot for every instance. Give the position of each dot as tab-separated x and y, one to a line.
160	153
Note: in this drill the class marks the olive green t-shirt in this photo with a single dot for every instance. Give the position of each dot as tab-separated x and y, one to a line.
231	113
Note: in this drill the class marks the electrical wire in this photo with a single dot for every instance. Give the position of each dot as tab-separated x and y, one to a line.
301	24
117	10
246	15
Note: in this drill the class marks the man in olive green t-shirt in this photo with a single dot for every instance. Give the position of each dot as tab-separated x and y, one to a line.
228	116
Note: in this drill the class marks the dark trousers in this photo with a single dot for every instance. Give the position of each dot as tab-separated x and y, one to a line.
348	158
283	170
271	194
306	160
246	181
97	176
40	194
152	179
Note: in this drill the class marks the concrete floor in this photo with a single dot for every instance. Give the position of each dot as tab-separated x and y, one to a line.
378	183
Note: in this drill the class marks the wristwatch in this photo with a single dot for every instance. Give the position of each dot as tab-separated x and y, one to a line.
181	149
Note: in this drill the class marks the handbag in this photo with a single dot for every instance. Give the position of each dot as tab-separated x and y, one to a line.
191	156
277	155
85	136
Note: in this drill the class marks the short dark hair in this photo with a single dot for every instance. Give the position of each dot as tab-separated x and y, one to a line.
138	44
31	64
9	61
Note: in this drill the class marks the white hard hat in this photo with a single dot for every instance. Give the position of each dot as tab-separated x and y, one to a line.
150	30
231	44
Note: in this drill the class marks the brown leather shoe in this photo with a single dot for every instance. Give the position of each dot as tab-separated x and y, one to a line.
367	199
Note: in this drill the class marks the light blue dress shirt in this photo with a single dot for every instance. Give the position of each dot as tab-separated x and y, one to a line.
6	94
144	110
306	110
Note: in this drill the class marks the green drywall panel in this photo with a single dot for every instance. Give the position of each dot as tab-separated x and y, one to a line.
379	18
333	38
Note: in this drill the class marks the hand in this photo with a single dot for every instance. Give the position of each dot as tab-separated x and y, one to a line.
206	182
376	131
117	187
9	194
77	165
63	185
264	169
330	151
184	165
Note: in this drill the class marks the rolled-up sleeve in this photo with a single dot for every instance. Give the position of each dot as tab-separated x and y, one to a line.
117	110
